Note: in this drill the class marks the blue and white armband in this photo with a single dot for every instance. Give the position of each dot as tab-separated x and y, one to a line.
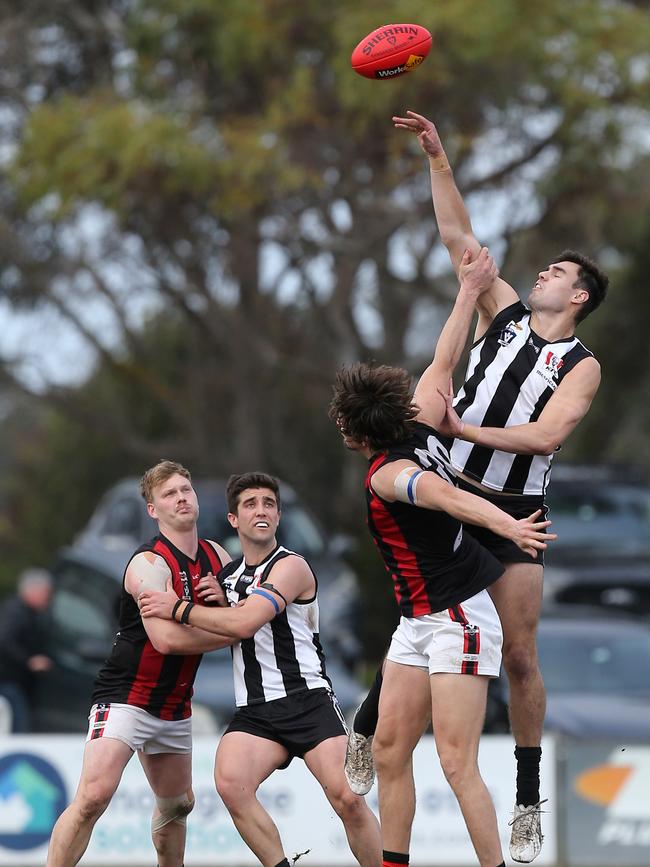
406	483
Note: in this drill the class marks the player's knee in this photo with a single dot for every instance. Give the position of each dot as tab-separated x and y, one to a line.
93	800
174	809
387	753
520	661
347	805
232	792
456	766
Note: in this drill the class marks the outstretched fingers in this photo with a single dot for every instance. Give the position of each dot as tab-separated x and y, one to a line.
414	122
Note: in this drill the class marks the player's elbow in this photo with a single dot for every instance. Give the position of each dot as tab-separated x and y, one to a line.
245	629
164	645
455	238
545	445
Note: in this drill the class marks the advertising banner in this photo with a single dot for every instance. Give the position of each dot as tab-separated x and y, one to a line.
608	805
38	777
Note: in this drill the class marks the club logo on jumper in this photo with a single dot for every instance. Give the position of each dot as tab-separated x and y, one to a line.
621	788
553	363
32	797
508	334
185	581
548	367
531	342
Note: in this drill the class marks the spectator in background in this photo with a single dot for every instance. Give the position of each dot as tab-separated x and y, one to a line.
23	632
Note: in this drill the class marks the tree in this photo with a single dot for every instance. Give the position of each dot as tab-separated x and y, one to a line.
213	185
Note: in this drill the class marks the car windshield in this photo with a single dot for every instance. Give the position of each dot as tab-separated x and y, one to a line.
578	662
297	530
611	517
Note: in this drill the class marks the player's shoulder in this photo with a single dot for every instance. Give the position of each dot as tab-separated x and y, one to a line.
230	567
145	555
285	555
292	567
584	367
146	570
220	551
286	561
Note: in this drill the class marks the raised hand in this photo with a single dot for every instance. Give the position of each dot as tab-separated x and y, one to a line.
478	275
424	129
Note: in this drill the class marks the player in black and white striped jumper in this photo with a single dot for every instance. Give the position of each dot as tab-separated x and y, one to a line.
285	703
528	384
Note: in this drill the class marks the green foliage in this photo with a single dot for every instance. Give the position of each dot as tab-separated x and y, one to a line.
250	187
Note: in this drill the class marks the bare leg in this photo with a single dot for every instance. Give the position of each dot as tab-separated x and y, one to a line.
169	775
518	598
242	763
458	710
325	762
404	712
103	766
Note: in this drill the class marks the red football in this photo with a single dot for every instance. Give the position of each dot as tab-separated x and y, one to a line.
391	50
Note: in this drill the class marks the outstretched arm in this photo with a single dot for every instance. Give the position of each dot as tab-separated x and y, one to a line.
429	491
453	220
475	277
292	578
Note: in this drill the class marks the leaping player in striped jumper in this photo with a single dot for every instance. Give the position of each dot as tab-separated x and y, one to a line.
528	384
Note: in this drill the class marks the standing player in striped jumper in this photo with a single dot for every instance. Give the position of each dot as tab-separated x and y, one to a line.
141	700
448	641
528	384
286	706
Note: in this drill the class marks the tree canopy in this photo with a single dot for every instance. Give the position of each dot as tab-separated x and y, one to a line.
218	208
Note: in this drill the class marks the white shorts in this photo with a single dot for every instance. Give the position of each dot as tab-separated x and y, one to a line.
139	730
465	639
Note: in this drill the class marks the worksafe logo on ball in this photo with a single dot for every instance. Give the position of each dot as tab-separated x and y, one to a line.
618	790
32	797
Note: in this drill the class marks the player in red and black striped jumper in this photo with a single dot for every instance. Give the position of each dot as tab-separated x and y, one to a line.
142	696
449	627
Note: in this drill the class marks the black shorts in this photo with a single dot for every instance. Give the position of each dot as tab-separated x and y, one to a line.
517	505
298	722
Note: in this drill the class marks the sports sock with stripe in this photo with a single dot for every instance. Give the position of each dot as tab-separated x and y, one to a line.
394	859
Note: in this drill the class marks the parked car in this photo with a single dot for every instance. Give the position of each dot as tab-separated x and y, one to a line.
602	554
595	666
85	604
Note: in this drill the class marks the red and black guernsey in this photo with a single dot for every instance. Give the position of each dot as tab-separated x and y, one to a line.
433	563
136	673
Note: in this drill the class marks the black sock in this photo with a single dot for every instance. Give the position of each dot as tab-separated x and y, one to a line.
394	858
502	864
365	720
528	759
283	863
